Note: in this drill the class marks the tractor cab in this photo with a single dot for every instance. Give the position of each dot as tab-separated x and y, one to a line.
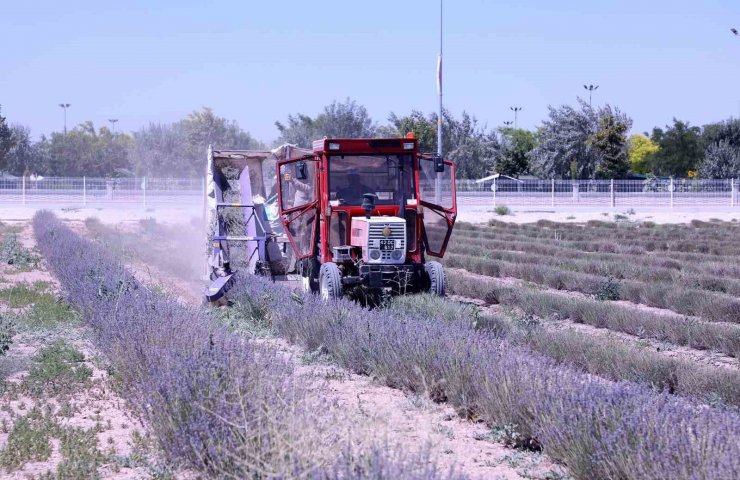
365	213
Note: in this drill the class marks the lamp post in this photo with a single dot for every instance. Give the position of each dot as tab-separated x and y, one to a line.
516	111
735	32
508	123
590	89
65	106
113	124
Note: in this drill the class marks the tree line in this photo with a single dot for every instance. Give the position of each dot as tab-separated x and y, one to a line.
574	142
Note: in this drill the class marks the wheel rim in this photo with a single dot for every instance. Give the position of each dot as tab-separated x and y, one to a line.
324	290
305	283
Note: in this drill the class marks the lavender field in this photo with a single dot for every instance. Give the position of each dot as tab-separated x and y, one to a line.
599	350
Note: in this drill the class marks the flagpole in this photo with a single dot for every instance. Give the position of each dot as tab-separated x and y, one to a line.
438	177
439	84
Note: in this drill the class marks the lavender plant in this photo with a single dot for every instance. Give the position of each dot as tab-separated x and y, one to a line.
216	403
599	429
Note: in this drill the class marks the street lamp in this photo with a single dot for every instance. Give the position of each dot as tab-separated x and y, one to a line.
734	30
113	124
65	106
590	89
516	111
508	123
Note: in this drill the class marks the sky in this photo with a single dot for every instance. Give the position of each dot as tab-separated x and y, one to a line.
257	62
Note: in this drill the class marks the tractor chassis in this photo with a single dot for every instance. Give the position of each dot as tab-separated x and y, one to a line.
397	277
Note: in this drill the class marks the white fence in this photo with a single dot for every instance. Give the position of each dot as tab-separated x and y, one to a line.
96	192
609	193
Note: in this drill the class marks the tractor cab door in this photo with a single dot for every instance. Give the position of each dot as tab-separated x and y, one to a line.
437	196
297	201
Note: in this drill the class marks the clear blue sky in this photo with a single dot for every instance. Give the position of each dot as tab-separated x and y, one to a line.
258	61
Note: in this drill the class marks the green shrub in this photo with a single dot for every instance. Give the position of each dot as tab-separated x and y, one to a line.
609	290
12	252
57	368
502	210
7	330
28	441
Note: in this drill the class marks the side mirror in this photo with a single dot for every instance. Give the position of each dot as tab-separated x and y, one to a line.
301	171
439	164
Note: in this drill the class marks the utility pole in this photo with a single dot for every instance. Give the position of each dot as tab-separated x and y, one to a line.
516	111
590	89
65	106
439	84
113	124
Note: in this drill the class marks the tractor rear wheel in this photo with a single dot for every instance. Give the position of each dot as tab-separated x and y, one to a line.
330	281
437	278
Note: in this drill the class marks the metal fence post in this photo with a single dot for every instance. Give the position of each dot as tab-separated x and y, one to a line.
84	191
494	193
671	188
613	197
552	195
143	188
23	190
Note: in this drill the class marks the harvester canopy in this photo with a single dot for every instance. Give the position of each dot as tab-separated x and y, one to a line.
241	207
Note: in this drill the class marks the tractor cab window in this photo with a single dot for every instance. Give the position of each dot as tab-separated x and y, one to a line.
297	185
386	176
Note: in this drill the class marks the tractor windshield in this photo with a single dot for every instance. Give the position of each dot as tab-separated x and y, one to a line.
387	176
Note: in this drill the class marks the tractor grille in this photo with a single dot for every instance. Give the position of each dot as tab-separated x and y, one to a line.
398	233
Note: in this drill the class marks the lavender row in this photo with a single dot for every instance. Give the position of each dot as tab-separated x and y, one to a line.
714	307
215	402
599	429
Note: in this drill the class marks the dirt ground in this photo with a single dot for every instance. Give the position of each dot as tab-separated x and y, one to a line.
466	213
93	406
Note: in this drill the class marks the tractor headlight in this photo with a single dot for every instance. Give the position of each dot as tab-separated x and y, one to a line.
374	254
396	255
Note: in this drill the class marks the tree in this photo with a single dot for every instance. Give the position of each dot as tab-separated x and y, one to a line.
574	142
640	148
562	148
513	159
610	140
345	119
721	160
680	149
85	151
423	127
728	130
472	147
22	157
179	149
161	149
6	141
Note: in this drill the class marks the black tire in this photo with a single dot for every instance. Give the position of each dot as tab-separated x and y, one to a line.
330	281
437	279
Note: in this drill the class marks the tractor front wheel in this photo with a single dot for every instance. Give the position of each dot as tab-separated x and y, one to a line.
436	278
330	281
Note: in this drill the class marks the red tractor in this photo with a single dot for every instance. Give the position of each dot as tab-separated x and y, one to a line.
368	212
358	214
